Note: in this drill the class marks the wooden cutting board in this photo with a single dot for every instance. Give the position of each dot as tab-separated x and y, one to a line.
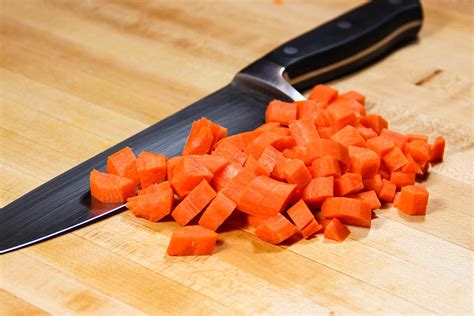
79	76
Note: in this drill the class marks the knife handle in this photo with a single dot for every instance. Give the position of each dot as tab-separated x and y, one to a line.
349	42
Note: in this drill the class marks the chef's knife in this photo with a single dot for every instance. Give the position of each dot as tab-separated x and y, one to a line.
331	50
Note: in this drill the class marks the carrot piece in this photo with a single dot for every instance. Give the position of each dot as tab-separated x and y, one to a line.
312	228
384	172
347	184
217	212
193	203
221	178
375	122
387	192
187	174
251	164
278	173
354	150
366	132
396	199
267	161
321	118
349	136
323	93
318	190
152	206
368	196
298	152
341	115
275	229
413	200
170	165
325	132
352	104
325	166
192	241
373	183
419	150
397	138
267	127
300	214
401	179
199	142
123	163
325	147
265	196
156	187
303	131
214	163
424	165
348	211
380	145
395	159
353	95
308	108
151	168
324	223
366	163
257	146
218	132
412	137
284	142
241	140
437	151
296	172
281	112
236	186
110	188
255	220
336	231
231	152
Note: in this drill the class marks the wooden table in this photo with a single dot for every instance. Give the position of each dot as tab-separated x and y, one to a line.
79	76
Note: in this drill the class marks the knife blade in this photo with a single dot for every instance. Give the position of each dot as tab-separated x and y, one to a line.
337	47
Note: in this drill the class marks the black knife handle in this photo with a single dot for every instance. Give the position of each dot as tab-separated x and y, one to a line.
348	42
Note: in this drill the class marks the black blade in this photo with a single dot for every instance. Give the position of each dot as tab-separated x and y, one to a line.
64	203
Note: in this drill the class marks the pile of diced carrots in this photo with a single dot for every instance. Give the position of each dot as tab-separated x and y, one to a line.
313	167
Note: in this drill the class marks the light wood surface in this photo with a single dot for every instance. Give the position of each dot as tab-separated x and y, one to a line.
79	76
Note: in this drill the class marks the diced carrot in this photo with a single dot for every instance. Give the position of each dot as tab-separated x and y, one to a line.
303	131
396	199
348	211
255	220
352	104
256	146
419	150
123	163
240	140
275	229
336	231
110	188
237	184
152	206
368	196
265	196
324	223
354	150
373	183
267	161
437	151
251	164
283	131
296	172
268	127
413	200
375	122
318	189
200	142
380	145
424	165
341	115
312	228
401	179
231	152
170	165
349	136
323	93
193	203
353	95
384	172
321	118
284	142
325	132
218	132
151	168
300	214
278	173
192	241
347	184
412	137
308	108
366	163
325	166
187	174
387	192
217	212
325	147
395	159
214	163
281	112
298	152
157	187
397	138
366	132
220	179
411	166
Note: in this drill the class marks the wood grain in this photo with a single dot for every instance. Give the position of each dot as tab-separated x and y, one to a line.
77	77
